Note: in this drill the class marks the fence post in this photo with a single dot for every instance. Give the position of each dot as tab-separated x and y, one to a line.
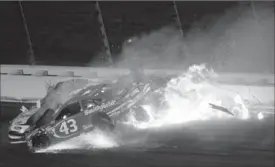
30	49
178	17
103	33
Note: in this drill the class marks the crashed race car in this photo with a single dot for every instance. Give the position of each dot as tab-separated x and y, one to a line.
86	108
96	106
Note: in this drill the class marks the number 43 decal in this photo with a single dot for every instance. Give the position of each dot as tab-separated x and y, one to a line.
68	126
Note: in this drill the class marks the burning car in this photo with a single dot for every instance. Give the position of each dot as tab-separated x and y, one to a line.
96	106
63	116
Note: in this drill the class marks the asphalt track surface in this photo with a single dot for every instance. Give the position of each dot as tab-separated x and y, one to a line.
213	144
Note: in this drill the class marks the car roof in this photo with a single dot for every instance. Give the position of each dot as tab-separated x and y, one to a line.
83	94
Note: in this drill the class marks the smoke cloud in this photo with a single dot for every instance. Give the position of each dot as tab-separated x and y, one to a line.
240	40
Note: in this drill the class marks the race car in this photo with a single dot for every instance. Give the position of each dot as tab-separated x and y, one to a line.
82	110
99	106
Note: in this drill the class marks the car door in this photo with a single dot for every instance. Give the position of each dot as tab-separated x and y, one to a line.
69	122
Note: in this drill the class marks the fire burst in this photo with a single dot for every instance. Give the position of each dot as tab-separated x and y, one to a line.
189	96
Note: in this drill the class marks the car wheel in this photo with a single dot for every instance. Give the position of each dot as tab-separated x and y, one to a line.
141	115
39	142
103	122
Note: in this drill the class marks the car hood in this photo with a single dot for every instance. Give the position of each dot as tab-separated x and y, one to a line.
23	117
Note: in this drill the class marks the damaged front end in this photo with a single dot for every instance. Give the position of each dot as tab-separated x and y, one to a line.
20	127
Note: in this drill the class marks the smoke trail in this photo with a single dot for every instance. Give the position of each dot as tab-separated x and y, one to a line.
237	41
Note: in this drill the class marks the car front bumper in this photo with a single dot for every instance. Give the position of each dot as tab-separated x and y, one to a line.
16	138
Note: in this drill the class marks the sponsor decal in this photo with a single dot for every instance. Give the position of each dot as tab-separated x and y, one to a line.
65	129
87	126
135	91
101	107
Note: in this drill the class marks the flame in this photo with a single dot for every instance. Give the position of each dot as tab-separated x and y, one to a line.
94	140
187	98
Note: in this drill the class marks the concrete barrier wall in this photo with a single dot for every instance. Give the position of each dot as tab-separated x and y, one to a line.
229	78
25	85
61	70
14	88
30	87
254	95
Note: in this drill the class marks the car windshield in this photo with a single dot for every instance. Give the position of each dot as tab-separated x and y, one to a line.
70	110
90	103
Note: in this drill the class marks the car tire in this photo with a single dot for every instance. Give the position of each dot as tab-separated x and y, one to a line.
39	142
103	122
141	115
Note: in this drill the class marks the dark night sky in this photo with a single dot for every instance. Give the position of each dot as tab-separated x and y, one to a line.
67	33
